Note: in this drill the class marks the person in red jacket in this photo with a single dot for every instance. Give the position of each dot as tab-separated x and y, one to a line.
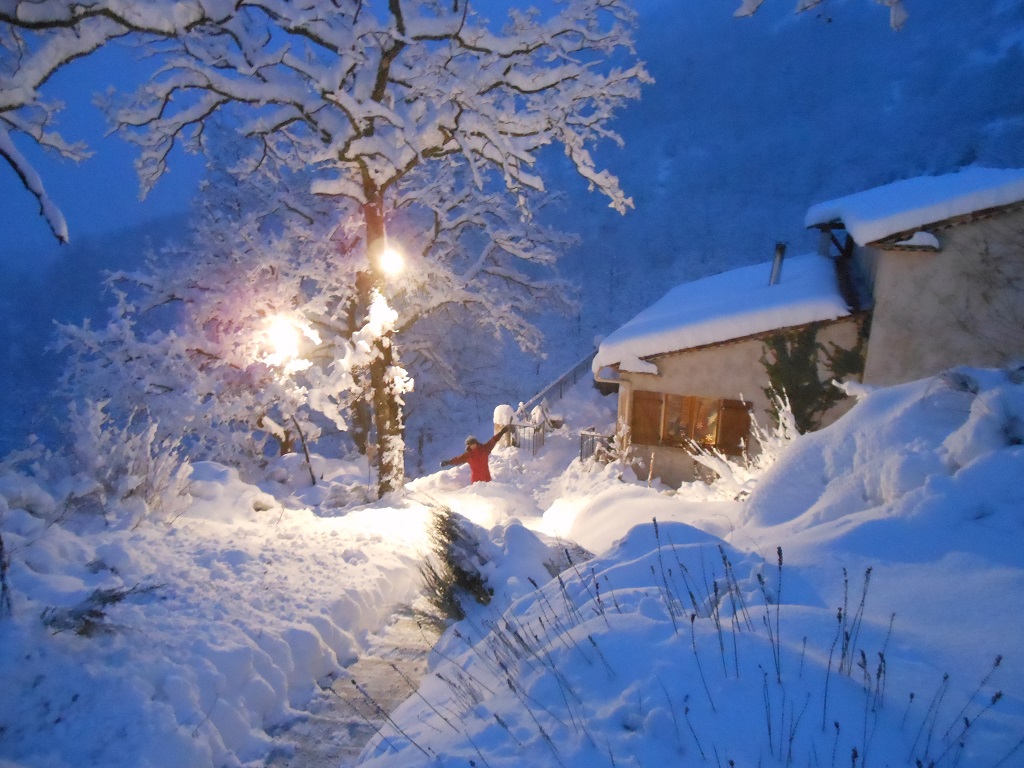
476	456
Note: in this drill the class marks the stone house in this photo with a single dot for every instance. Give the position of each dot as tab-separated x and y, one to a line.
911	278
940	259
690	370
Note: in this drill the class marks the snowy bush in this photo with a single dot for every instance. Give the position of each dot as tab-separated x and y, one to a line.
453	573
125	470
735	477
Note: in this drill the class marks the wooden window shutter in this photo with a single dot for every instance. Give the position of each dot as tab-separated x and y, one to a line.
705	420
678	419
733	427
646	423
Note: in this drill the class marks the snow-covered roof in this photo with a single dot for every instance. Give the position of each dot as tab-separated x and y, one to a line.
730	305
903	206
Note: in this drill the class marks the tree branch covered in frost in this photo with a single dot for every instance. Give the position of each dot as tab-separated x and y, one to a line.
27	61
366	95
897	11
480	264
187	341
38	39
362	91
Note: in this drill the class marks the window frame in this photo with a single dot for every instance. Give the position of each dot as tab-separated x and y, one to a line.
678	423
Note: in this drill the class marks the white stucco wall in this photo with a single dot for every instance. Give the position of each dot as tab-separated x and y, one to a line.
732	370
962	305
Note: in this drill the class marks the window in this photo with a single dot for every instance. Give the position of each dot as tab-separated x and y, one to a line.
646	427
676	420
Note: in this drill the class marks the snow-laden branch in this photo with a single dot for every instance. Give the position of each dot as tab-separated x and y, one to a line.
897	11
366	97
34	184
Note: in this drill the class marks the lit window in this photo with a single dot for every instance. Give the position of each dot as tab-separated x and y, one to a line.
681	420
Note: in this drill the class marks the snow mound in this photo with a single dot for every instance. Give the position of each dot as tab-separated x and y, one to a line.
927	466
188	643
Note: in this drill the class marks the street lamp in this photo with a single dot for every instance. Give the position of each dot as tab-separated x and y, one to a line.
284	335
391	262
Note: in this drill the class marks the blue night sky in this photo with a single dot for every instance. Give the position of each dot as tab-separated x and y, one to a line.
101	194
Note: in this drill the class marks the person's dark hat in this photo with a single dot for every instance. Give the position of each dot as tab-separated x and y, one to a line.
471	441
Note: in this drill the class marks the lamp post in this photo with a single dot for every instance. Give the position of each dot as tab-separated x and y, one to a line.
283	335
384	261
391	261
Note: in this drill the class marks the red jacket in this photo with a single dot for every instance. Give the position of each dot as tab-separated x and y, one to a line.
476	456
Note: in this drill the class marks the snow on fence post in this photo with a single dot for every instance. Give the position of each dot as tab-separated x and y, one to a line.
531	425
503	416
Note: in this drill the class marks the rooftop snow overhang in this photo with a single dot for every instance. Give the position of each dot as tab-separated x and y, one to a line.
721	308
893	213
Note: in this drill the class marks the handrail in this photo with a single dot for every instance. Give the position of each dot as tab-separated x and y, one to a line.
573	373
590	440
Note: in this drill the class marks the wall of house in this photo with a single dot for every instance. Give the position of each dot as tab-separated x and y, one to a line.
963	305
731	370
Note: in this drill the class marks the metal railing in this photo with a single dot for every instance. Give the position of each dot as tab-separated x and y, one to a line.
591	442
528	436
557	389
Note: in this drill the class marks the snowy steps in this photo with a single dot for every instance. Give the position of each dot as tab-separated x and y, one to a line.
342	719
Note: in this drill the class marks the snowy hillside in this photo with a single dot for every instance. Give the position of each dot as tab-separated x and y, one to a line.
694	640
752	121
677	642
862	606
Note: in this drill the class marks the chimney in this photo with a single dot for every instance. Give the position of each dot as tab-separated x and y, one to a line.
780	253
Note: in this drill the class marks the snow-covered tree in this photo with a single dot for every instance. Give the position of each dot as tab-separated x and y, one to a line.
365	93
40	37
188	342
223	344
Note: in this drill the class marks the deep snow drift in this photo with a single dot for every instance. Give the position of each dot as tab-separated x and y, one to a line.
699	640
668	647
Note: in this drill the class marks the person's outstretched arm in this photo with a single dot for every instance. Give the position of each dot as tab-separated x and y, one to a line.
462	458
489	445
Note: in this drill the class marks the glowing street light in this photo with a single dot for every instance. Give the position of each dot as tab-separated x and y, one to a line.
391	261
283	336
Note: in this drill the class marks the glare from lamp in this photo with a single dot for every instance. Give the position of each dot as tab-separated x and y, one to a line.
283	336
391	261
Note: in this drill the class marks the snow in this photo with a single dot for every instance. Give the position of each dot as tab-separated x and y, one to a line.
248	604
921	240
245	606
260	590
729	305
606	667
910	204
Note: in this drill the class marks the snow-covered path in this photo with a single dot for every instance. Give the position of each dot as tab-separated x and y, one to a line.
342	718
346	715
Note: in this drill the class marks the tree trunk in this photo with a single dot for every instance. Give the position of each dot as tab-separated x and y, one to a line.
361	410
387	413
